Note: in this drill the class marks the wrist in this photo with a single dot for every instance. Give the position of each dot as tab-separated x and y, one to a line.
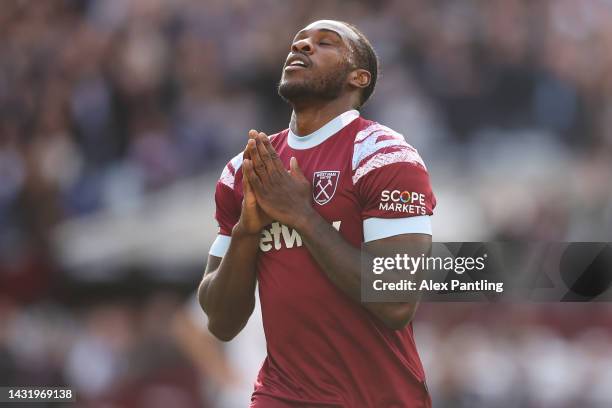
305	220
239	231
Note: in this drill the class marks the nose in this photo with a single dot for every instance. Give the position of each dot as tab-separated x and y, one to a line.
303	46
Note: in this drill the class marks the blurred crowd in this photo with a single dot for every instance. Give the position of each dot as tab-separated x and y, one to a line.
105	102
155	352
523	356
120	353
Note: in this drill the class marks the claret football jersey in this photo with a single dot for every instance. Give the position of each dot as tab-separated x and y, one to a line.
325	349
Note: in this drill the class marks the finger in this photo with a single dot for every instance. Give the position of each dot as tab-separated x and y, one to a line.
252	177
245	152
258	164
278	164
295	169
246	186
252	135
247	192
265	156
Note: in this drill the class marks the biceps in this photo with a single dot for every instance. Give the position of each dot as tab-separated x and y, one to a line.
411	243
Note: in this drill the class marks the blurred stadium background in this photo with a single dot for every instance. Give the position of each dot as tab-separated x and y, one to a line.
117	116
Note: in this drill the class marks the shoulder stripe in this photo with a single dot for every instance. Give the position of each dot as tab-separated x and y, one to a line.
372	139
374	127
386	158
377	146
228	175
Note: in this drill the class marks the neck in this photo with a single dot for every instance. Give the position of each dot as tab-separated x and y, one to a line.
306	119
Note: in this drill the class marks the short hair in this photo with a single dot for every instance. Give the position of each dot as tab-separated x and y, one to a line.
367	59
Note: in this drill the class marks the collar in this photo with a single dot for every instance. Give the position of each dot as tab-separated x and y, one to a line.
322	134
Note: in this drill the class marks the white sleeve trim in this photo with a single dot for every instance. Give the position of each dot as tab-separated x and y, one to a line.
379	228
220	246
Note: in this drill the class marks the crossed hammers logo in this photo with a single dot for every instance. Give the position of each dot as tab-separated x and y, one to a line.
322	192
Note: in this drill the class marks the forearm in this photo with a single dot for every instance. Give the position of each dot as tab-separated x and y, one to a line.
338	259
227	295
341	262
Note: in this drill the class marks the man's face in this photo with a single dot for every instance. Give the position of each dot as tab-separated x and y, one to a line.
318	65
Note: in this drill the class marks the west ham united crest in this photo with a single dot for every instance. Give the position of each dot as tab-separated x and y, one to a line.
324	185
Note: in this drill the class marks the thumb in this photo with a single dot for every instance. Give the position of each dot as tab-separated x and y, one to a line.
247	191
246	187
295	168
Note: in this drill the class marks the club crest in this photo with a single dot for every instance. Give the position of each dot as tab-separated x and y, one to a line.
324	185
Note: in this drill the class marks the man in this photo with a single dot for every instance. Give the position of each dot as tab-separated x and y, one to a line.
293	210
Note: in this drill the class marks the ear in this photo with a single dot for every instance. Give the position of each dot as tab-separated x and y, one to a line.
360	78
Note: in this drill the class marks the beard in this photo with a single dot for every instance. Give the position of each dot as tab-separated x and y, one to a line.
327	86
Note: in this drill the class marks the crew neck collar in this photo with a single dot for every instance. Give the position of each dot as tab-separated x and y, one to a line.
322	134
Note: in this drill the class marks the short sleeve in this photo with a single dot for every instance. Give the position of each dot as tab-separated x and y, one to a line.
392	184
227	206
227	210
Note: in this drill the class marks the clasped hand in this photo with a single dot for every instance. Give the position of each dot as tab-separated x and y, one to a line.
270	191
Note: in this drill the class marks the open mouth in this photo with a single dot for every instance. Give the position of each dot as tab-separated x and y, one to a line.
296	63
295	66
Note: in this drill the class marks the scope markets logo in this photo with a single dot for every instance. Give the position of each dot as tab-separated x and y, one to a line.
409	202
